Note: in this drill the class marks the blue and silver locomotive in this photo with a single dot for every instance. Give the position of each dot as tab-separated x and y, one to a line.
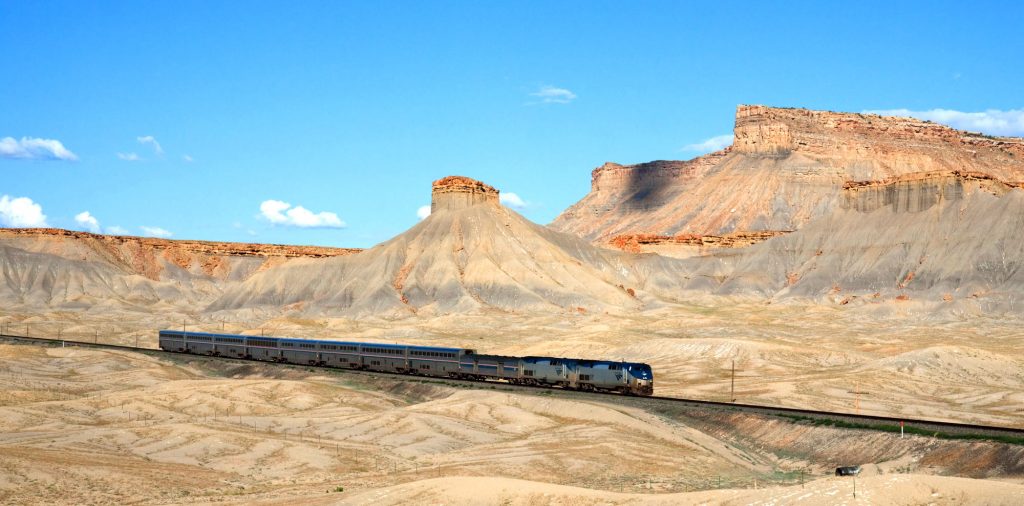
571	373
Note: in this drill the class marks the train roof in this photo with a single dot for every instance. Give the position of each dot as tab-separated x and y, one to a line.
318	341
591	360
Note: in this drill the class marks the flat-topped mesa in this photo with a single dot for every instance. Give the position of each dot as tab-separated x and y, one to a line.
785	168
459	192
767	130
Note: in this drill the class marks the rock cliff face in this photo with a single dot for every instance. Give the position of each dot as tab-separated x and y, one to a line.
62	269
688	245
458	192
147	255
785	168
939	238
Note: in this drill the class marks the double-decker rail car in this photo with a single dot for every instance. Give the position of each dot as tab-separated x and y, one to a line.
499	367
581	374
435	361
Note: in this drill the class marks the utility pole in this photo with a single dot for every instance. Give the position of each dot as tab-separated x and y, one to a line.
732	395
856	403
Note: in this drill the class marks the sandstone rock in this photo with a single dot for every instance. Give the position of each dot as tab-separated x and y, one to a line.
70	270
689	245
785	168
458	192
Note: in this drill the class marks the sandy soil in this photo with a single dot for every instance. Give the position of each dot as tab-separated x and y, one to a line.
882	359
871	490
98	427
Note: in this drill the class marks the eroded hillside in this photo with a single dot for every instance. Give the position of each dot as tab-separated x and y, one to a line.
785	168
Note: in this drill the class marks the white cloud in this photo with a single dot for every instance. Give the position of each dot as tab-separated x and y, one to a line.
282	213
129	157
423	212
553	95
116	230
187	158
88	221
155	232
21	212
991	121
708	145
35	149
149	139
512	200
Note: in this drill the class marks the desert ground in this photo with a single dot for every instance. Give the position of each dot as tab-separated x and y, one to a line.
883	359
96	427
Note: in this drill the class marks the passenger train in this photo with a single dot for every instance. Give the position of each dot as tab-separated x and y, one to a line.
572	373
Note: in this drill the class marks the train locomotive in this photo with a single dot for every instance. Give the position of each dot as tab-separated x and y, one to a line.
630	378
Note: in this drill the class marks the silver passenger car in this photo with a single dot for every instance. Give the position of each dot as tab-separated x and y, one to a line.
580	374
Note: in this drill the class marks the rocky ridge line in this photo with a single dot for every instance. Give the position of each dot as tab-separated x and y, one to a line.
190	246
642	243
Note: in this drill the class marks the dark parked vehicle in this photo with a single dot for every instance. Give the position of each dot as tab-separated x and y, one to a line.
847	471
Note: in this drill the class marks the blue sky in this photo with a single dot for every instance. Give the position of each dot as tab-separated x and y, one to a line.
204	119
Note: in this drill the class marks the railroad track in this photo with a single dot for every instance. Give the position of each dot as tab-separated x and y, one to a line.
935	428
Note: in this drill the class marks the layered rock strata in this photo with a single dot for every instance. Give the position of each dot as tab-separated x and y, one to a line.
943	238
457	192
689	245
62	269
190	246
785	168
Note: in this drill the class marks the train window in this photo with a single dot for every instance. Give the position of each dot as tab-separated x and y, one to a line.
527	372
424	366
614	367
584	377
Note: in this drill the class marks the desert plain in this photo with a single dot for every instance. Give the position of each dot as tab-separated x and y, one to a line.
106	426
